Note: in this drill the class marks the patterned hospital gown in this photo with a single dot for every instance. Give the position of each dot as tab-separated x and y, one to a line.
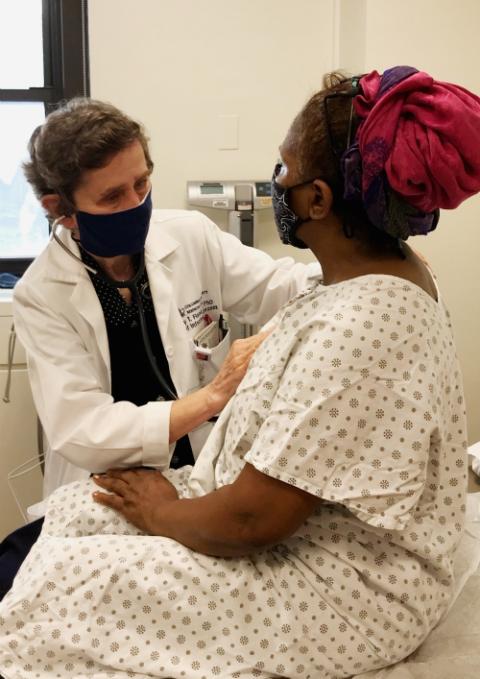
356	397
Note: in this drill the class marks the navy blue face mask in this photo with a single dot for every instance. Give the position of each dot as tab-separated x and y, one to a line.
286	220
116	233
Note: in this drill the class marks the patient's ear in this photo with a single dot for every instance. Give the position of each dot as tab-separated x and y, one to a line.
51	203
322	201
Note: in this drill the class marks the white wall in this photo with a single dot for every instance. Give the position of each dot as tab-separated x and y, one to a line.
177	66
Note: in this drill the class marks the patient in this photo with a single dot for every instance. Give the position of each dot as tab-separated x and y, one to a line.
314	536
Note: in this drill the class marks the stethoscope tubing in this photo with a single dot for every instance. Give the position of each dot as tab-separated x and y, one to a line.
167	391
132	285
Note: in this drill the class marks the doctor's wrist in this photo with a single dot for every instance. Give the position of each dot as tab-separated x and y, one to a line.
193	410
215	399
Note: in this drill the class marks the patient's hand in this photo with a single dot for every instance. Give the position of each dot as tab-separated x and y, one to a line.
138	494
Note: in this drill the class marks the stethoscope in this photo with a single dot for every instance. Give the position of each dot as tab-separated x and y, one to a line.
132	285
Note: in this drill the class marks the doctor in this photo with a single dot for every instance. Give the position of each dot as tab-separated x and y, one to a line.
110	312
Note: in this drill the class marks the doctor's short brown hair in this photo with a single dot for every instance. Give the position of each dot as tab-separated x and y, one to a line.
83	134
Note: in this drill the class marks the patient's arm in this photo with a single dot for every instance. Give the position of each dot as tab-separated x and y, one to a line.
253	512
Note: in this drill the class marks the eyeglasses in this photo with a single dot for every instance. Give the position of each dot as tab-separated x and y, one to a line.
282	190
338	148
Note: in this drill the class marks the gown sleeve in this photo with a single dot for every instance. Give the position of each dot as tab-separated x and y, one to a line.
353	418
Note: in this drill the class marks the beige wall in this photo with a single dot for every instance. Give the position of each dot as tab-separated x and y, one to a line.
18	428
178	66
441	37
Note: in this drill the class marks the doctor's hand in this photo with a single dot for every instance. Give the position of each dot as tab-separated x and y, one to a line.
138	494
233	369
194	409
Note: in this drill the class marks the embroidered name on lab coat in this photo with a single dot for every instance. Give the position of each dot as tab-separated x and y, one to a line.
194	312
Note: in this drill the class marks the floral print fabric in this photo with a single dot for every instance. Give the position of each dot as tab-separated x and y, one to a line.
356	397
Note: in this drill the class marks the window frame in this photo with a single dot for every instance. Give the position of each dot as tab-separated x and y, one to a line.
66	72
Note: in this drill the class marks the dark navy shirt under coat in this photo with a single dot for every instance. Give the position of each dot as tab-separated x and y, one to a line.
132	376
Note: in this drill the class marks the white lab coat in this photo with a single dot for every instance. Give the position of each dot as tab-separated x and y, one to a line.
194	268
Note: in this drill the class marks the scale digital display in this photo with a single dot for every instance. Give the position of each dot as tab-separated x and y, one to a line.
263	188
209	189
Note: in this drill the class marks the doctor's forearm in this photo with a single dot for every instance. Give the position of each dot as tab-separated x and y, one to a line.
193	410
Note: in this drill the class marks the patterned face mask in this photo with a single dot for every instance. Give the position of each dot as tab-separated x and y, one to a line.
286	221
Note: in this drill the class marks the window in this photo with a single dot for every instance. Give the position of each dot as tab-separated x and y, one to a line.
44	58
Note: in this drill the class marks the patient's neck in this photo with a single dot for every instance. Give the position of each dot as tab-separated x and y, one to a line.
344	258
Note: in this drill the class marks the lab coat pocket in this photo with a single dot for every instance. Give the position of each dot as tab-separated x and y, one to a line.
209	361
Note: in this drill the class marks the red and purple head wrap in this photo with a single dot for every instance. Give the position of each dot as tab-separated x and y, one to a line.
417	149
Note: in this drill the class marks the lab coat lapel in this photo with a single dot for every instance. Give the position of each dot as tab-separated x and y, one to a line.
86	302
160	278
159	256
70	271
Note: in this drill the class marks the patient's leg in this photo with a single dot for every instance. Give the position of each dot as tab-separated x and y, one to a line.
13	551
72	512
